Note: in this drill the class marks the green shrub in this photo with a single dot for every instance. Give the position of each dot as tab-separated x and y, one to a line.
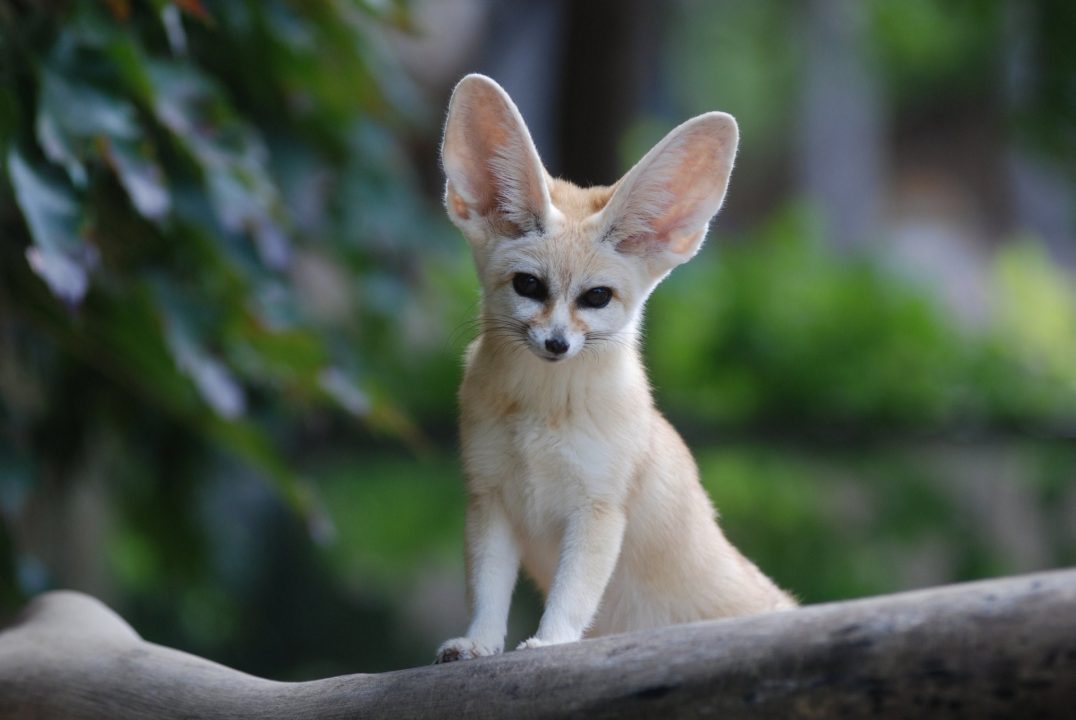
778	331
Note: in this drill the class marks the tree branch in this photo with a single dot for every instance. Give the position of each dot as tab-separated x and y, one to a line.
999	648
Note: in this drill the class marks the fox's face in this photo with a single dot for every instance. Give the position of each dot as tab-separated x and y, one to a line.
566	269
561	291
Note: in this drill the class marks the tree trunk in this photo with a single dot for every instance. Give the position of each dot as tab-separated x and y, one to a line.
999	648
842	135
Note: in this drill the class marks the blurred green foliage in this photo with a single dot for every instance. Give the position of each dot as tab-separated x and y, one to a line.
778	331
925	48
211	234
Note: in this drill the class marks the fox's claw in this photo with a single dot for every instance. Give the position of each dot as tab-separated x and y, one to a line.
533	642
462	649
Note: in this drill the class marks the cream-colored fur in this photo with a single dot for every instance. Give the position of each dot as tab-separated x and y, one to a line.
571	471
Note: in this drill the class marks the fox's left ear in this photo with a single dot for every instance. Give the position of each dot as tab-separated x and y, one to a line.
662	207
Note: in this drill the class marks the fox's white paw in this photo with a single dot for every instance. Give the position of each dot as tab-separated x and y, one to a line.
532	643
463	649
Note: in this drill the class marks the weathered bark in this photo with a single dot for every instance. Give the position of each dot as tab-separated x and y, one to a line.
999	648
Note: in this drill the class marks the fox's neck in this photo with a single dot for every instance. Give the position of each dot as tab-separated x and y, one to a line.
607	373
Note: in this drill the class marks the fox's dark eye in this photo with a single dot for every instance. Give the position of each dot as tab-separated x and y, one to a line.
529	286
596	298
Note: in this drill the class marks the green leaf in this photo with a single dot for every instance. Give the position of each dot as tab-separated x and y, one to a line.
344	391
77	123
84	111
214	380
232	157
59	255
70	116
216	383
141	177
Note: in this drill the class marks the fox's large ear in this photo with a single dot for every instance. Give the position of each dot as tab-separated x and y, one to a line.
496	181
662	207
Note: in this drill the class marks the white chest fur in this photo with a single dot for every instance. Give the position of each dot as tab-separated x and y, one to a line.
550	439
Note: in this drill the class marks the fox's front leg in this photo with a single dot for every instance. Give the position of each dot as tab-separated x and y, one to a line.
492	567
588	556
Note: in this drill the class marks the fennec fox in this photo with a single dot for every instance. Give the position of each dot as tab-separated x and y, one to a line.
570	469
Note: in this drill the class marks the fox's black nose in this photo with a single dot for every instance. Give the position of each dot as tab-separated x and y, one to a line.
556	345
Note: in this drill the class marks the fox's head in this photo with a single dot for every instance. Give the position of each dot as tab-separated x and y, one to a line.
564	268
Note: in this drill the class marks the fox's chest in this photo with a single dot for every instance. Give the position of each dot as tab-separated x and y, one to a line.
557	471
550	440
556	467
544	468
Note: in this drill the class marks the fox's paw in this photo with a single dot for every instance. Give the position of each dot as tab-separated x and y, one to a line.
533	643
462	649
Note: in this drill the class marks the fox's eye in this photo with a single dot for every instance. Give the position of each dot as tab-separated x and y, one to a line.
596	298
529	286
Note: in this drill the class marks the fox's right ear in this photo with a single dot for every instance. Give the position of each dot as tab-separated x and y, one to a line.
495	181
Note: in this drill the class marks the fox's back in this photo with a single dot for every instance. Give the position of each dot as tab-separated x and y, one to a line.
675	564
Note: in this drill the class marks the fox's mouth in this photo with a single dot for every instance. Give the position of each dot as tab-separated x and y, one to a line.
549	356
544	354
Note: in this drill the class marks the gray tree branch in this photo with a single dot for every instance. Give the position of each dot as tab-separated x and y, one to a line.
999	648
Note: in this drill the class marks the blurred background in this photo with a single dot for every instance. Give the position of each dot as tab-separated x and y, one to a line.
232	310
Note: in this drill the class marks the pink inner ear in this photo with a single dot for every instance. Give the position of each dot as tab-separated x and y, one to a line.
692	186
481	138
677	242
498	171
671	203
638	244
685	243
457	204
